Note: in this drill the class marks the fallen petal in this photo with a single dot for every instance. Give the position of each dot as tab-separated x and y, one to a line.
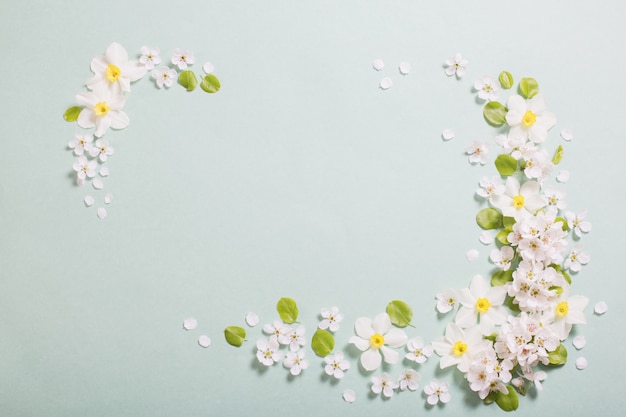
349	396
579	342
204	341
581	363
601	308
386	83
102	213
252	319
378	64
89	201
447	134
472	255
190	323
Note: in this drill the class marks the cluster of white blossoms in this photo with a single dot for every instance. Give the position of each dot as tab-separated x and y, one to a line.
505	330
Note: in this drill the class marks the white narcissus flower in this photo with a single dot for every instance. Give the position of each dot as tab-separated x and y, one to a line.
519	199
409	379
567	312
458	347
478	152
529	119
456	65
331	319
437	392
150	57
576	259
114	71
84	168
487	88
82	142
295	362
336	365
481	303
268	352
164	76
384	383
182	58
102	150
102	110
417	351
376	337
578	223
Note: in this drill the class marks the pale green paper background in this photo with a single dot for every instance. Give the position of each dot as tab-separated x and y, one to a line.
300	178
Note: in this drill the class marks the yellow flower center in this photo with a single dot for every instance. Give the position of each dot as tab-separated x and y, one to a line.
482	305
377	340
529	118
562	308
459	348
101	108
113	73
518	201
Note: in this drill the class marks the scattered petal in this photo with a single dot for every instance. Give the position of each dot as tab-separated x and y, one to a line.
208	68
97	184
581	363
563	176
102	213
386	83
472	255
486	237
579	342
252	319
104	172
108	198
447	134
349	396
378	64
601	308
204	341
404	68
89	201
567	135
190	323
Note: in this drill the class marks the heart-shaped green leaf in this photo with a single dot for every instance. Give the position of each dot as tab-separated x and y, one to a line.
558	356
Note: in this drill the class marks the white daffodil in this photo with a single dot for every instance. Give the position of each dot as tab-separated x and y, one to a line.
336	365
330	319
102	110
487	88
481	303
150	57
519	199
458	347
529	119
114	71
376	337
567	312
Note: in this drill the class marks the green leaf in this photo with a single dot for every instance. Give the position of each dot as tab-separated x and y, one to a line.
508	402
503	235
322	342
528	87
508	221
492	337
558	155
558	356
559	290
210	84
400	313
501	277
511	305
489	218
287	310
71	114
495	113
558	269
188	80
506	164
506	80
565	227
235	335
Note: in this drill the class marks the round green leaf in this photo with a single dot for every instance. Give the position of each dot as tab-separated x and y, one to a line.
287	310
506	164
506	80
188	80
508	221
71	114
322	342
508	402
495	113
558	356
400	313
489	218
235	335
528	87
558	155
501	277
210	84
503	235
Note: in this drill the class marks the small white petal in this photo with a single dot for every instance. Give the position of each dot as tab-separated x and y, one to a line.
581	363
349	396
486	237
404	68
104	172
204	341
579	342
563	176
386	83
97	184
601	308
447	134
108	198
252	319
472	255
89	201
378	64
190	323
567	135
208	68
102	213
